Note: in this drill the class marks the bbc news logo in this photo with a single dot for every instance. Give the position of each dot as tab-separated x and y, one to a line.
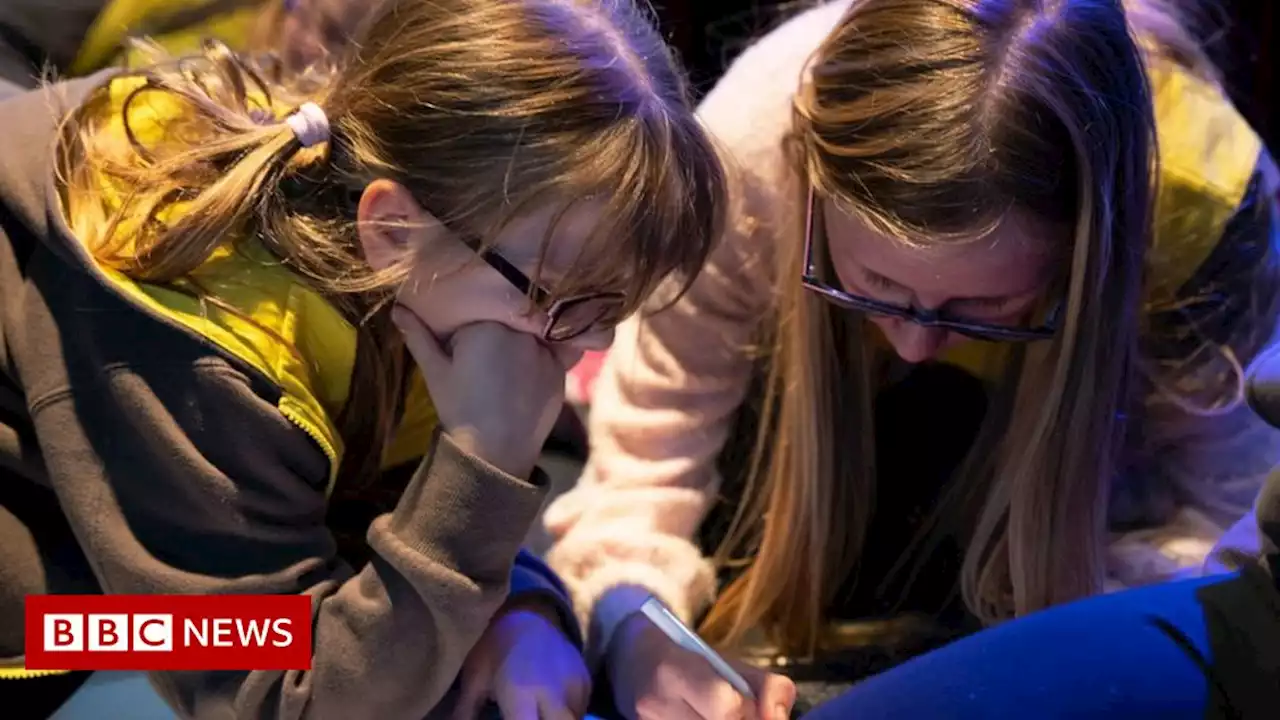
168	632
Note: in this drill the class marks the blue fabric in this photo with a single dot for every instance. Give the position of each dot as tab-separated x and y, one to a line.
530	575
1114	656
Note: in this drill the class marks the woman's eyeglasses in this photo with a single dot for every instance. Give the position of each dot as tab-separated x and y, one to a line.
567	318
919	316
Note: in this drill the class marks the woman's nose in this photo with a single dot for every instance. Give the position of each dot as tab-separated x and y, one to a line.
914	343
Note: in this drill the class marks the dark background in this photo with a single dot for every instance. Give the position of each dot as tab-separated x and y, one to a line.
1238	33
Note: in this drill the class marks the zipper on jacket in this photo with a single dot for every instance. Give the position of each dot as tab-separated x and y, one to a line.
326	447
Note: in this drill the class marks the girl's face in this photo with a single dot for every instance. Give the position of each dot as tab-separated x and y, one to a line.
999	279
450	286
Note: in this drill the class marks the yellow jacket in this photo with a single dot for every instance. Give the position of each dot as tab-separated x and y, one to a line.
281	326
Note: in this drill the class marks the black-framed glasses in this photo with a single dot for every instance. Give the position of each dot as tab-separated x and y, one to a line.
567	318
922	317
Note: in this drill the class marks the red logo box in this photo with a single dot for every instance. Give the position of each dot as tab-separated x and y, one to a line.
168	632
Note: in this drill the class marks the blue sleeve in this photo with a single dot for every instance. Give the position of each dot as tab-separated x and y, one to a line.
531	575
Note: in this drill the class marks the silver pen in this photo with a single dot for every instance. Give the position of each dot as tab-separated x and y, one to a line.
681	635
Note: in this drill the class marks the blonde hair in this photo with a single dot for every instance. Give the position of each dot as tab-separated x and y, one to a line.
930	120
479	108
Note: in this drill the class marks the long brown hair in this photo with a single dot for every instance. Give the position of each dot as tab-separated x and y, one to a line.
930	120
478	107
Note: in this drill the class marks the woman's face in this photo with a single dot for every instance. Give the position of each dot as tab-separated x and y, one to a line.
449	286
997	279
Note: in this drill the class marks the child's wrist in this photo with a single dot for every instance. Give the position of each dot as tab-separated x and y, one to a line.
535	603
508	459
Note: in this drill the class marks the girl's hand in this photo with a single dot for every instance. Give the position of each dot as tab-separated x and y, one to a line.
654	679
496	391
526	664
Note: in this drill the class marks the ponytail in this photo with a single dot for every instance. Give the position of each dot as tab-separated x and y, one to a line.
206	154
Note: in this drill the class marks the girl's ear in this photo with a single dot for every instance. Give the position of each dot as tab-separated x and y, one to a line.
391	224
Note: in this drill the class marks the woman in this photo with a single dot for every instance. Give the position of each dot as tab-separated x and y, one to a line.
206	389
973	327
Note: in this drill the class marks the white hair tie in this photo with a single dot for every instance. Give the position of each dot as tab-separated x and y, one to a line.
309	124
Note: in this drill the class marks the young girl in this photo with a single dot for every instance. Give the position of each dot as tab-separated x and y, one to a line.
992	333
210	276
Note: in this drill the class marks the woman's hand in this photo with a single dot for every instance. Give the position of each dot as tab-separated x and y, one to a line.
496	391
1241	539
654	679
526	664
